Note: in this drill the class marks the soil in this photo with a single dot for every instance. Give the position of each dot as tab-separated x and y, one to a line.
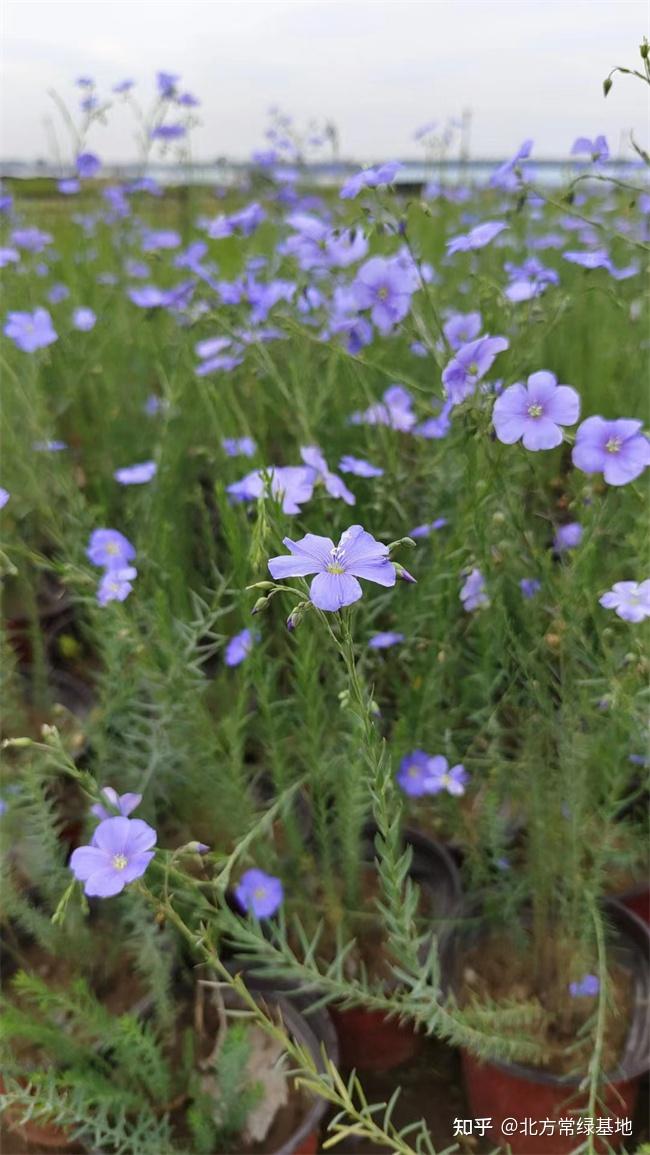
496	970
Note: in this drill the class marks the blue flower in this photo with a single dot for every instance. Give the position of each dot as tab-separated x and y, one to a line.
259	893
337	568
239	647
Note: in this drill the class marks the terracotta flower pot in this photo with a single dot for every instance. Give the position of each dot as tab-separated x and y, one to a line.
40	1135
637	899
514	1093
370	1041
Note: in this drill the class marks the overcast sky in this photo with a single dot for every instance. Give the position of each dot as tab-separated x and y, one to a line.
377	68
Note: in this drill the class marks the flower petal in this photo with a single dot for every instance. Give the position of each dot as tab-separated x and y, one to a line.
87	860
105	883
137	865
541	433
140	837
331	591
563	406
112	835
382	571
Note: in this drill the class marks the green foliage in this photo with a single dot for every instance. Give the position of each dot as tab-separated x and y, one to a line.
110	1080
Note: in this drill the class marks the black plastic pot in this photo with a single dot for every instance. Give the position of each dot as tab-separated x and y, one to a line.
314	1030
515	1091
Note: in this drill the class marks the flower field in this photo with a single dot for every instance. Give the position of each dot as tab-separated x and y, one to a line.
324	657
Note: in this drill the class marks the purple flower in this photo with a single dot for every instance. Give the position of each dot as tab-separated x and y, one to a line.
617	449
123	803
153	405
505	176
239	648
413	774
396	411
630	600
136	474
84	320
473	594
148	297
315	245
529	587
461	328
436	427
88	165
123	86
535	412
217	353
428	527
239	446
441	777
384	286
119	853
385	641
420	773
168	132
30	331
33	240
116	585
69	187
597	149
259	893
166	82
381	174
58	293
337	568
359	467
567	537
9	257
109	548
155	239
587	987
469	365
292	485
476	238
4	497
334	485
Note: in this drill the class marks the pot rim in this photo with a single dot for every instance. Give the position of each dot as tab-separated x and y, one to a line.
312	1028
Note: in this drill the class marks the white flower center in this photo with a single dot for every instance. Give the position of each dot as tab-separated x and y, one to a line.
613	445
336	564
535	410
120	861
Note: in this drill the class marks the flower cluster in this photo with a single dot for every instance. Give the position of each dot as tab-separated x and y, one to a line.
111	550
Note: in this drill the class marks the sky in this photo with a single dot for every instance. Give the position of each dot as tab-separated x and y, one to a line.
377	68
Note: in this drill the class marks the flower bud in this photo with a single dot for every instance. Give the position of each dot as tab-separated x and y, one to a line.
607	84
403	574
261	586
296	616
406	541
260	605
